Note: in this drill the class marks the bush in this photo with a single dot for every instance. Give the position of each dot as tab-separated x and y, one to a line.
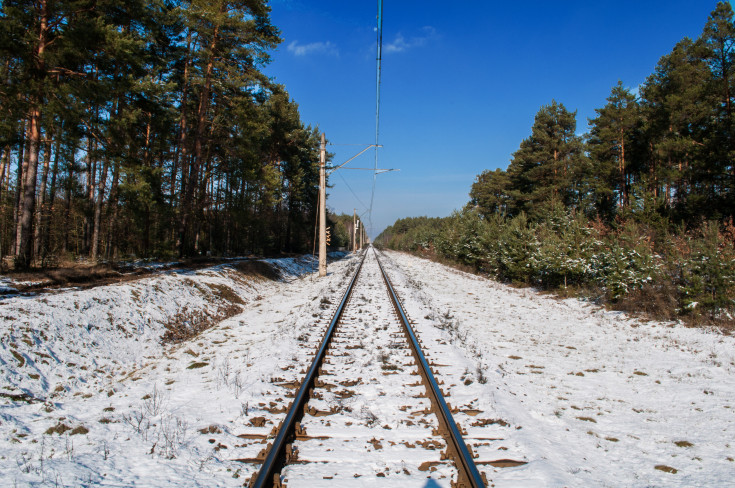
708	273
638	266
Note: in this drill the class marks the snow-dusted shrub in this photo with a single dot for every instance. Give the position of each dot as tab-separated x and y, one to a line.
708	272
566	245
464	237
619	268
514	249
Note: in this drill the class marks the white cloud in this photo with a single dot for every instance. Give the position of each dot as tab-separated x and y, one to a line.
312	48
401	43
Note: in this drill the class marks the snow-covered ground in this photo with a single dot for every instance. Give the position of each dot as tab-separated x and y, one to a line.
91	397
597	398
584	397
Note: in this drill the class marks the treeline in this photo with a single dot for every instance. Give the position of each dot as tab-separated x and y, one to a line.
147	128
639	209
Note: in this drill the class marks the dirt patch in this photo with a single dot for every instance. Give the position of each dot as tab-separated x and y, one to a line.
504	463
187	324
224	292
430	444
376	443
258	269
59	428
485	422
79	430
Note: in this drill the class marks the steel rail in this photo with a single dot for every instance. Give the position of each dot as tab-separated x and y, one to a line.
276	457
468	474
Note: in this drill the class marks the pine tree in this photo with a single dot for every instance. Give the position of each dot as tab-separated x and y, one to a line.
549	166
611	144
490	192
718	46
675	107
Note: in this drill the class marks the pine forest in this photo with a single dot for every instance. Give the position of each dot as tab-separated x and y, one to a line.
147	128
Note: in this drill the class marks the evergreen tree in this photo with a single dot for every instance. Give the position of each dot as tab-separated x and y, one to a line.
490	192
549	166
675	107
611	141
718	46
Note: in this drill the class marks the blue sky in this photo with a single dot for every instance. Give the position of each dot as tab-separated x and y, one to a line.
461	83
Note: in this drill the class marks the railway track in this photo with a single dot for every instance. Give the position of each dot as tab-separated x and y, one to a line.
368	410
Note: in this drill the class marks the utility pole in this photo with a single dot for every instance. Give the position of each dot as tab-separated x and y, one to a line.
323	208
362	231
354	230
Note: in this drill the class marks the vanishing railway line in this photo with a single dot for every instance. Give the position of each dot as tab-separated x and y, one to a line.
368	410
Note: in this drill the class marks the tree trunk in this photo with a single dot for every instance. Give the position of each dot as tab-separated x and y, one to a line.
25	243
42	194
180	153
197	158
112	210
22	168
91	175
48	208
67	204
4	164
98	209
623	182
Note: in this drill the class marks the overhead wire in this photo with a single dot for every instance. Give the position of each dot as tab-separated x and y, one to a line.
379	59
352	191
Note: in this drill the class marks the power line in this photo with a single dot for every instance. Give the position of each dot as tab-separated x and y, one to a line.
377	106
352	191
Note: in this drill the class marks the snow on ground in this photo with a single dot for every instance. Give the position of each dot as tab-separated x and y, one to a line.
585	397
90	396
597	398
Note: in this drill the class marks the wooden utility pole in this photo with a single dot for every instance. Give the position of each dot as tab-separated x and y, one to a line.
323	208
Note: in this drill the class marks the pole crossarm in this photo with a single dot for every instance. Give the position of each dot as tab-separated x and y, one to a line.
353	157
380	170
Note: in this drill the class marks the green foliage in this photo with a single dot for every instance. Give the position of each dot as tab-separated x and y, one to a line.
490	192
549	164
708	273
164	136
566	249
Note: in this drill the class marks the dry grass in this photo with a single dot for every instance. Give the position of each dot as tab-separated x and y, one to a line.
224	292
59	428
89	274
258	269
657	301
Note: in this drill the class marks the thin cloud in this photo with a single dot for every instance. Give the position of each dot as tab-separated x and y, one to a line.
312	48
401	43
